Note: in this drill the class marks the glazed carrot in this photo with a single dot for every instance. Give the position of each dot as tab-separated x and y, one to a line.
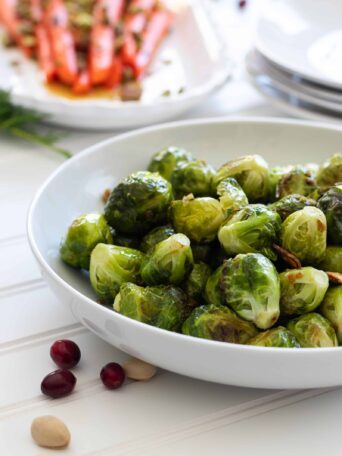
135	22
101	53
82	84
115	77
62	42
12	23
155	31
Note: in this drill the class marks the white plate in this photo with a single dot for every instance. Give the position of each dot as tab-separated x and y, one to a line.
192	58
102	166
290	104
265	74
304	37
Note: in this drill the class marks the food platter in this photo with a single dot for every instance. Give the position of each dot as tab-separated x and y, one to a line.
190	65
100	167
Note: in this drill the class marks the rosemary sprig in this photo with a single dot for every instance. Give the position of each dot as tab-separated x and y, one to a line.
19	121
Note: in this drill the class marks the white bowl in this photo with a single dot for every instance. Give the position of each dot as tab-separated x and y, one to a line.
76	187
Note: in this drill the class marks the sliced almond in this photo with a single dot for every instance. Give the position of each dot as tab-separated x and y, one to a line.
335	277
289	258
50	432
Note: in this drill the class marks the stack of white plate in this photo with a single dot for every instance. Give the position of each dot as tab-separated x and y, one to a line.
297	60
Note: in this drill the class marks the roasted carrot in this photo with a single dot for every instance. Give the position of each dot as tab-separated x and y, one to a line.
62	42
13	24
82	84
135	22
106	15
156	30
116	72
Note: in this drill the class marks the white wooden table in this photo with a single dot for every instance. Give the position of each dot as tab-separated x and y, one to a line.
169	416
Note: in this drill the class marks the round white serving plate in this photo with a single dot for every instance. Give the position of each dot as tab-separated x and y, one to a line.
191	65
76	188
304	37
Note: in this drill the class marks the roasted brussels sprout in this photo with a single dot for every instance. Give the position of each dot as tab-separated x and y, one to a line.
218	323
299	180
212	292
252	229
302	290
275	175
332	260
195	284
139	203
250	285
163	306
291	203
304	233
83	235
330	173
169	262
331	204
196	177
125	241
231	195
198	218
112	265
313	330
252	174
331	309
165	161
156	235
275	337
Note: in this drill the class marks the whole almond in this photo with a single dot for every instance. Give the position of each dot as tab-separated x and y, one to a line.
139	370
50	432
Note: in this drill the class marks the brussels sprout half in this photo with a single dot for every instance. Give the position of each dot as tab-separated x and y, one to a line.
85	232
158	234
330	173
275	175
195	284
291	203
139	203
275	337
299	181
302	290
231	195
252	229
250	285
165	161
332	260
252	174
196	177
313	330
331	204
169	262
163	306
304	233
331	309
197	218
218	323
112	265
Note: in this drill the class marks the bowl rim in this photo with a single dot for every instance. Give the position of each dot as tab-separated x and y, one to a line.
217	345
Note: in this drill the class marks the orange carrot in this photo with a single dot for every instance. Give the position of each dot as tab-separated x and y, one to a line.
62	42
155	31
101	53
12	23
116	73
82	84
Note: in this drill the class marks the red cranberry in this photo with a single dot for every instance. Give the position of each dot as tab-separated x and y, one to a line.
58	383
65	353
242	4
112	375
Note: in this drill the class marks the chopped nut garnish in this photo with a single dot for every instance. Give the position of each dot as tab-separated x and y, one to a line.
287	256
106	195
335	277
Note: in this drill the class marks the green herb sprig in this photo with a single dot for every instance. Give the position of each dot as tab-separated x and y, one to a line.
19	121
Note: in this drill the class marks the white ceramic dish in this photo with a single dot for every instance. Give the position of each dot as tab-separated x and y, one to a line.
257	65
192	58
287	102
304	37
103	165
